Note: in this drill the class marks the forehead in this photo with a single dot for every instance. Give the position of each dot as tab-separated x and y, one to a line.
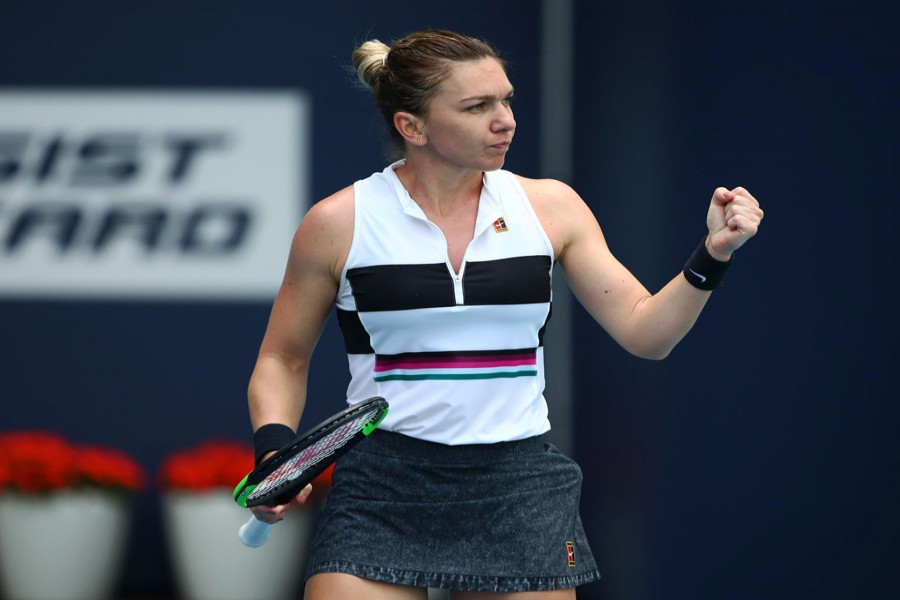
479	78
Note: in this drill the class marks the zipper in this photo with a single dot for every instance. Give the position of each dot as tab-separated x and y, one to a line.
458	295
456	277
457	281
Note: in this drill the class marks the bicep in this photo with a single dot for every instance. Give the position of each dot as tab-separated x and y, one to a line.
307	293
299	313
602	284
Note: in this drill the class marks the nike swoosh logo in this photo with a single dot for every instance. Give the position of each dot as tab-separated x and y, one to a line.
702	278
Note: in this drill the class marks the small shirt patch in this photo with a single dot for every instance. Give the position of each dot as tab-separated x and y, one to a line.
570	553
500	225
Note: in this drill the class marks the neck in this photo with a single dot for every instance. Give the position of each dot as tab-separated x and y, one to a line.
437	188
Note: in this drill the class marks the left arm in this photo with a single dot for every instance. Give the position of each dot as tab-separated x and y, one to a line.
647	325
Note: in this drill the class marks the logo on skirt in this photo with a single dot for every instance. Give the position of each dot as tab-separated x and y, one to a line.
570	553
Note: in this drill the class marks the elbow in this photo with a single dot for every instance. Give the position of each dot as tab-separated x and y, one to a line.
650	351
276	375
658	355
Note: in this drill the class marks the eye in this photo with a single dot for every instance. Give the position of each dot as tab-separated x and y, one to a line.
475	108
508	100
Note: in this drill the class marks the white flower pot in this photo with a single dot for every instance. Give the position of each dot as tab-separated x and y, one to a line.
210	563
62	546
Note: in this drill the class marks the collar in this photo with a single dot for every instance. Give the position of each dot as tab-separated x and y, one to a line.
489	204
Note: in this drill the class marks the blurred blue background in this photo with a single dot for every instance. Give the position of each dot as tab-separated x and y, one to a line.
758	461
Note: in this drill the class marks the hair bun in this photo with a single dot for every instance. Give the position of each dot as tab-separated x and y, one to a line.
369	59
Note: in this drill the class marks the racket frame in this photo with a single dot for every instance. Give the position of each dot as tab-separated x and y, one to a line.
285	491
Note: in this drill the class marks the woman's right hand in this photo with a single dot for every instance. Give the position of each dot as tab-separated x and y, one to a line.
274	514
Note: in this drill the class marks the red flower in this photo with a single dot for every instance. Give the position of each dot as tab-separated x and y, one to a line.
33	462
107	467
209	465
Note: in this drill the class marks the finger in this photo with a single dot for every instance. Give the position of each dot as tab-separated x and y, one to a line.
722	196
743	193
302	497
268	514
742	206
748	213
743	225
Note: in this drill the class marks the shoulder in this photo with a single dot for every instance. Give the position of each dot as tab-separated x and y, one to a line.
326	232
550	197
337	204
558	207
332	212
544	189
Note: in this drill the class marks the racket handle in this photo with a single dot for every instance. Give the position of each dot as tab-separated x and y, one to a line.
254	532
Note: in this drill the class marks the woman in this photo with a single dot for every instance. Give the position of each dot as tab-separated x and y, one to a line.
440	268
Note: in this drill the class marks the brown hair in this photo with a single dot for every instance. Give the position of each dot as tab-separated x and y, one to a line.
405	75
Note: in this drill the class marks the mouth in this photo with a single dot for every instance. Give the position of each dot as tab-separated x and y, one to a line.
501	145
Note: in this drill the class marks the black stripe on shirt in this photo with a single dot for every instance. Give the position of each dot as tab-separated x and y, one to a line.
544	328
518	280
401	287
356	338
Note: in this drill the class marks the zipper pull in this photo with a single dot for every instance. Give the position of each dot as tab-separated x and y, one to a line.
458	289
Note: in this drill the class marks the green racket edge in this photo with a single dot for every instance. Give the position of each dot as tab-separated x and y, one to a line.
373	424
241	493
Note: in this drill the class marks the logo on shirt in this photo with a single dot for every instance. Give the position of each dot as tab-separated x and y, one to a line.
500	225
570	553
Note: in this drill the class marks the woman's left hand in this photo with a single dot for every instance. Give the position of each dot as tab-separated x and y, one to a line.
733	218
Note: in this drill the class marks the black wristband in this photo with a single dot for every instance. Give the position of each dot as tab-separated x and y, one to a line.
273	436
703	271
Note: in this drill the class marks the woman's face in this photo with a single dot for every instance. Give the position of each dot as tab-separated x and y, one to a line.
469	122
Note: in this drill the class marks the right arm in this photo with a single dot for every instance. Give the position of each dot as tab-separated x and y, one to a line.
277	389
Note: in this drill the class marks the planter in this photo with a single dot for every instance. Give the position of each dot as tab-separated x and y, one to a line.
210	563
65	545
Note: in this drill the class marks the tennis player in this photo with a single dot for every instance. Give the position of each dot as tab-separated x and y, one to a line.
439	268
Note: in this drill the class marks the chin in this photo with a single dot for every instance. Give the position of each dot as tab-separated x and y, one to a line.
494	164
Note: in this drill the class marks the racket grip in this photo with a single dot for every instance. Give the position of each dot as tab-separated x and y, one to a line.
254	532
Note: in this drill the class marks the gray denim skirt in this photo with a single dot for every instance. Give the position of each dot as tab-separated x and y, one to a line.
489	518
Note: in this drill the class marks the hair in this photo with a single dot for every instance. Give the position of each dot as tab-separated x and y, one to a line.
405	75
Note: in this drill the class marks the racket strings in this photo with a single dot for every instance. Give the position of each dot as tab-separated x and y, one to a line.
320	450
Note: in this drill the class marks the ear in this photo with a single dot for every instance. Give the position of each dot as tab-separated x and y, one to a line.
411	128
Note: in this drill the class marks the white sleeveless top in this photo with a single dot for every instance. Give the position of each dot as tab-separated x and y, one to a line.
459	357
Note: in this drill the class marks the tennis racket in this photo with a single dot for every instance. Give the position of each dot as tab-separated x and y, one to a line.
284	474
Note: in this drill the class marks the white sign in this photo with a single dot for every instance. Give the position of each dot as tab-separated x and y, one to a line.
152	194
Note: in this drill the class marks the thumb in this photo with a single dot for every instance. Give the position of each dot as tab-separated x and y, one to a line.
301	498
722	196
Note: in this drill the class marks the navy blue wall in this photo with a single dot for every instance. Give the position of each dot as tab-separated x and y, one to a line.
755	461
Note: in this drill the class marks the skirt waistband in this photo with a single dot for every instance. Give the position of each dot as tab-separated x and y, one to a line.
397	444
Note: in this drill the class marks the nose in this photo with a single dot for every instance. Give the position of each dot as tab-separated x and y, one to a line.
503	120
